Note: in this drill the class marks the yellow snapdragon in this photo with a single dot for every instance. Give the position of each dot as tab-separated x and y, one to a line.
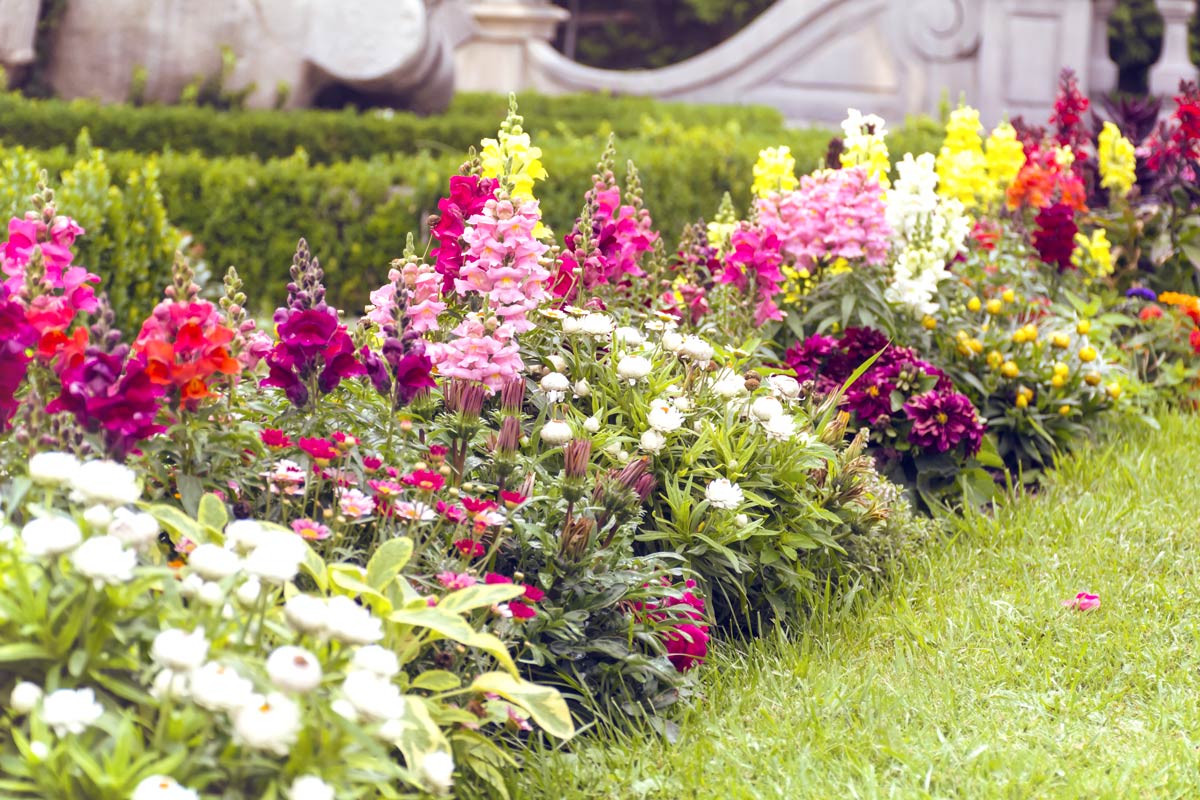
512	158
1004	157
961	165
865	145
775	171
722	225
1093	256
1118	161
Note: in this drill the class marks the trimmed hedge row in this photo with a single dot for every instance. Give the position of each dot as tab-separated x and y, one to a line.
337	136
356	214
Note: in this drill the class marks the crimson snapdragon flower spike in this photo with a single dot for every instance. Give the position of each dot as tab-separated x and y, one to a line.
1055	235
17	337
1070	105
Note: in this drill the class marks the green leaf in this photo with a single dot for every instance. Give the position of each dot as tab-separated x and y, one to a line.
23	651
480	596
348	578
419	734
387	562
437	680
175	521
190	491
212	512
546	706
314	567
452	626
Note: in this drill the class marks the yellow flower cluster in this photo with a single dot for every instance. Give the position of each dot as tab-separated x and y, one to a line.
775	171
723	224
512	158
961	165
1118	162
1093	256
865	145
1004	158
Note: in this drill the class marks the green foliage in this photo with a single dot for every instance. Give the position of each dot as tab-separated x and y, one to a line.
130	242
1135	38
334	136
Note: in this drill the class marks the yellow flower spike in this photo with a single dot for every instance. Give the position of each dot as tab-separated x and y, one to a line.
1008	296
1087	354
929	323
1009	369
1084	327
974	304
1092	379
994	306
1004	157
1061	340
775	171
961	164
1118	160
864	143
1064	410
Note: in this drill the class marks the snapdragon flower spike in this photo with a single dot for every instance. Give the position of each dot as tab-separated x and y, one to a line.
609	237
314	352
17	340
107	389
468	195
753	266
1070	105
402	371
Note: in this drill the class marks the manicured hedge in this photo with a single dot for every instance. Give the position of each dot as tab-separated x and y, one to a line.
249	212
334	136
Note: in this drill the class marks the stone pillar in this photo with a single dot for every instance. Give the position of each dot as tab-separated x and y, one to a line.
496	57
18	33
1174	65
1102	72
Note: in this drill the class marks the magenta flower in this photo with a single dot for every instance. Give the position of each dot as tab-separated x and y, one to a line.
1083	602
17	338
942	420
1055	235
468	195
621	233
311	530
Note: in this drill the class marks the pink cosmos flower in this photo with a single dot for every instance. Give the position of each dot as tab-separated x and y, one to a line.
311	530
1083	602
456	580
354	503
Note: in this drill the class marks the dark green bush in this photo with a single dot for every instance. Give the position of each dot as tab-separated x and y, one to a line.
328	136
248	212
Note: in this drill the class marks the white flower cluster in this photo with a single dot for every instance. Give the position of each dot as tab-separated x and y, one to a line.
929	232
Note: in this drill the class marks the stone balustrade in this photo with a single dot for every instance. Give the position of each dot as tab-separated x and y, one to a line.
813	58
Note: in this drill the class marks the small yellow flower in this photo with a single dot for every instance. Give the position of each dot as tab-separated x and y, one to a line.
1064	410
974	304
929	323
1092	378
1062	369
1009	296
994	306
1114	390
1084	327
1058	381
1087	354
1022	401
995	359
1009	369
1061	340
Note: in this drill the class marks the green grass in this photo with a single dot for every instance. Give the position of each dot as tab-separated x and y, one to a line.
967	678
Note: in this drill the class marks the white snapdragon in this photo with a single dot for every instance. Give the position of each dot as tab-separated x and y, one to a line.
25	697
723	494
310	787
180	650
633	368
351	623
270	722
294	669
70	710
218	687
106	482
556	432
53	469
555	385
105	561
134	528
162	787
46	537
664	416
438	770
213	562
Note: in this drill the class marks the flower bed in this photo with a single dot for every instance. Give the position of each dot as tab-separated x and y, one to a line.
541	472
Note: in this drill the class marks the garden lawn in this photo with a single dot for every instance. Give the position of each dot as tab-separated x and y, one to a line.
968	678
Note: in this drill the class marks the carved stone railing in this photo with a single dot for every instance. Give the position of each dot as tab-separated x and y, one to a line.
813	58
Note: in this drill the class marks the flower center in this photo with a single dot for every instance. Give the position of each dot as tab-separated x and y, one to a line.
941	417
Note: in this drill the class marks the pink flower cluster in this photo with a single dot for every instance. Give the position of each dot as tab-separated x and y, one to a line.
620	234
834	214
477	354
468	195
753	265
422	285
687	641
503	261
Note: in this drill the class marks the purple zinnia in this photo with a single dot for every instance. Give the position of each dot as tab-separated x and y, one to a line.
943	420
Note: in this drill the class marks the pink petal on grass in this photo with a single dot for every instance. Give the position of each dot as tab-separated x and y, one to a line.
1083	602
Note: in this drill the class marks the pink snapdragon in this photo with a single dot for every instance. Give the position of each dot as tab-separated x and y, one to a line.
477	354
753	265
621	233
422	286
503	261
834	214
